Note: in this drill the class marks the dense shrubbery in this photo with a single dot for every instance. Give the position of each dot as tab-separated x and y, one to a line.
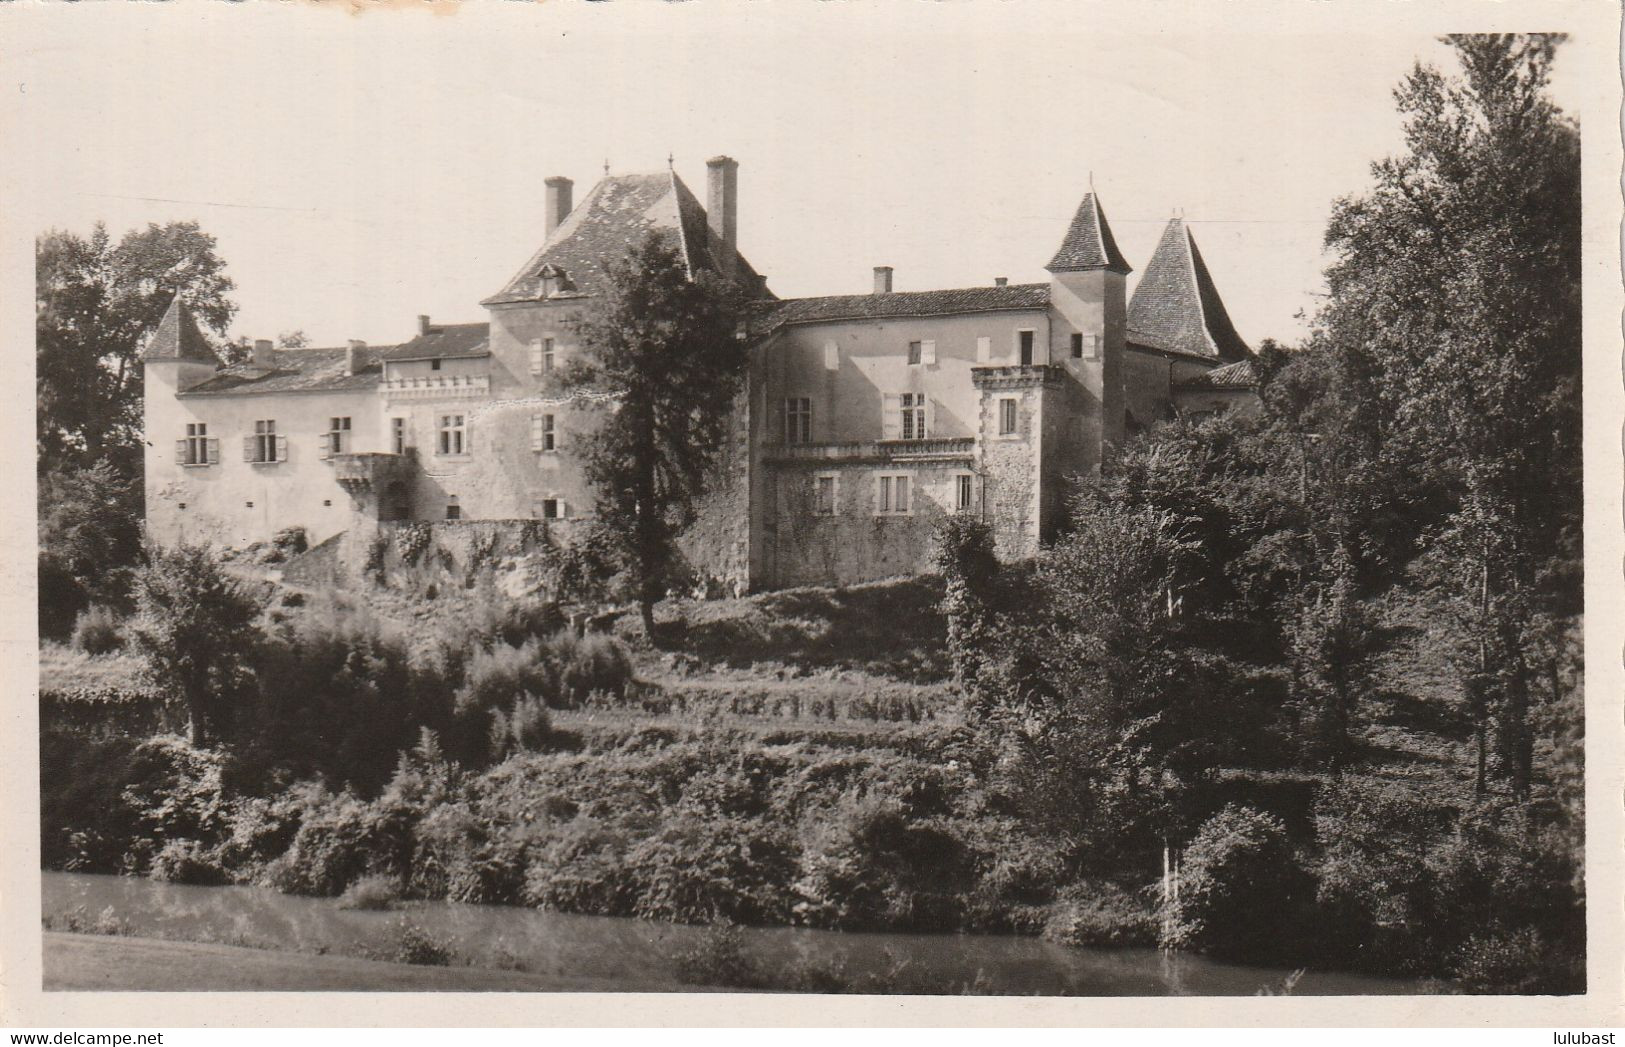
98	630
1240	888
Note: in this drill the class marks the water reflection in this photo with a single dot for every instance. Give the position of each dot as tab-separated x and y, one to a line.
642	954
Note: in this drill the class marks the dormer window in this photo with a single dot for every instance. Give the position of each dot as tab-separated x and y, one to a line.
554	280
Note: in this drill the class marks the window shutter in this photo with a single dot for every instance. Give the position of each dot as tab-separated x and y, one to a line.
214	450
180	452
832	357
564	509
984	349
535	432
248	448
282	448
325	448
928	352
928	425
891	422
558	433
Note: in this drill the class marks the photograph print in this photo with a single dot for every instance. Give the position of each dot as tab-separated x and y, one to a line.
1004	509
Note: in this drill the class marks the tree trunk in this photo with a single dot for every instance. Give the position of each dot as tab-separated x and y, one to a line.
646	608
199	731
1481	704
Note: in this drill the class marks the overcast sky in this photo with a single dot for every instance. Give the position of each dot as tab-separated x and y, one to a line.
360	170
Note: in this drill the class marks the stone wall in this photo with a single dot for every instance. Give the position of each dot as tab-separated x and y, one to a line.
856	543
1009	463
717	545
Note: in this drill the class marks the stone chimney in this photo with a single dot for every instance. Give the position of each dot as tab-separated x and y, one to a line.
352	355
559	201
423	323
722	210
882	279
1001	281
263	356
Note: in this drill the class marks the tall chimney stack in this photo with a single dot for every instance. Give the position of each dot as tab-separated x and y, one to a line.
559	203
423	323
882	279
352	355
722	210
263	355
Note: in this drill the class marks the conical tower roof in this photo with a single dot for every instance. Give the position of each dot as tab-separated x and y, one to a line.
177	337
1089	243
1177	308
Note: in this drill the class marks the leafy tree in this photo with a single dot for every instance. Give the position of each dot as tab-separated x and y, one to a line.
1239	888
95	303
194	628
1455	314
970	600
89	541
666	348
1332	640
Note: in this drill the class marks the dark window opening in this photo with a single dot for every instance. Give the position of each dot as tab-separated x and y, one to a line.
1026	348
1077	346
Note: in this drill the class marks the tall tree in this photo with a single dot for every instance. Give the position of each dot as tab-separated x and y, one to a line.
1455	300
89	541
667	350
95	303
194	629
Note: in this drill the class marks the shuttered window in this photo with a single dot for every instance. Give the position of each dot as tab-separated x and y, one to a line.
892	494
265	446
543	433
197	448
338	436
1007	416
824	494
543	356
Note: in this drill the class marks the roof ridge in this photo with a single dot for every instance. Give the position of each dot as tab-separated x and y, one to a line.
921	291
677	190
1190	260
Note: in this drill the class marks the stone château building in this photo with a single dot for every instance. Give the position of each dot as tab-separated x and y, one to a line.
863	420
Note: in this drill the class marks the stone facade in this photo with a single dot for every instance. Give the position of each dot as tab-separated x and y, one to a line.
863	420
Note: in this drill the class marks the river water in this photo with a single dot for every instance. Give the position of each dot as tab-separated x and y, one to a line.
642	954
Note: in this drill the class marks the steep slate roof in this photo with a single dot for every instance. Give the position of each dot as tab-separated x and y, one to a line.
903	303
1089	243
1177	308
299	371
615	216
177	337
1239	375
444	342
